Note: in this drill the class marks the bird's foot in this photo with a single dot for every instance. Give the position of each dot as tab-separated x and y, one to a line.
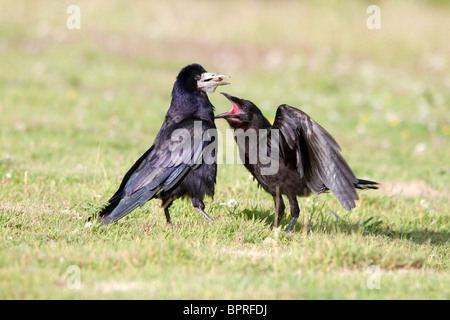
292	224
204	214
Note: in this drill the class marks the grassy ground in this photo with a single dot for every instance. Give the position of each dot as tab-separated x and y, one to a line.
78	107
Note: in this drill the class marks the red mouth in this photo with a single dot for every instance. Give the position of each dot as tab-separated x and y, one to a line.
234	109
233	114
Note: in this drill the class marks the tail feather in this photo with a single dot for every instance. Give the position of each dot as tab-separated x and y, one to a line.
120	207
366	184
105	213
118	212
112	204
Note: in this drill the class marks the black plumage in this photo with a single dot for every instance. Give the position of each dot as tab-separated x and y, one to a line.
309	159
164	171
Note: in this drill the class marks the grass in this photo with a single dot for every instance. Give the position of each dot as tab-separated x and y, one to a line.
78	107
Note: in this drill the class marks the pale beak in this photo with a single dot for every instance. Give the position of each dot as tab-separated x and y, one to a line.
210	81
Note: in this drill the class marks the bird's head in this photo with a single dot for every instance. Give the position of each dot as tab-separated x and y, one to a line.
194	77
242	114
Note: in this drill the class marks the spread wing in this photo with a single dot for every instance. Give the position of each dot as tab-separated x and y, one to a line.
173	155
316	155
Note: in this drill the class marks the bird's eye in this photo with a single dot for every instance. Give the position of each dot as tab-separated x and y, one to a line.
197	77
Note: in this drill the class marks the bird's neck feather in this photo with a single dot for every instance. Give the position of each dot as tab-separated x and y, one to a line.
194	104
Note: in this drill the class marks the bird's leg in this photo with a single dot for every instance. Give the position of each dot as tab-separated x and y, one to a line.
293	203
166	212
166	204
279	207
199	206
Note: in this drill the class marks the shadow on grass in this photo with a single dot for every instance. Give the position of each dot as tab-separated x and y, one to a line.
424	236
320	219
265	216
323	220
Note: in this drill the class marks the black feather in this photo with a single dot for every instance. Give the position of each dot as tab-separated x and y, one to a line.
162	172
310	158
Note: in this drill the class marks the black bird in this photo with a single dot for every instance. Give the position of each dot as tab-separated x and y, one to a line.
173	166
306	155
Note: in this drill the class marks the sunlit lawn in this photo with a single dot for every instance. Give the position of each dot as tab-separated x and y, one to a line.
78	107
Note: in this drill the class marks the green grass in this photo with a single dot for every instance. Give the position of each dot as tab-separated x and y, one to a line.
78	107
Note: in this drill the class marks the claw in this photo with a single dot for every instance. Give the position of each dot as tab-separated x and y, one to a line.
204	214
292	224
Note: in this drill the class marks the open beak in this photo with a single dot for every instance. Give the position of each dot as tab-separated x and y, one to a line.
210	81
235	111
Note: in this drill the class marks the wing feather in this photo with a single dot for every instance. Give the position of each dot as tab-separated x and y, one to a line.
318	158
160	169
